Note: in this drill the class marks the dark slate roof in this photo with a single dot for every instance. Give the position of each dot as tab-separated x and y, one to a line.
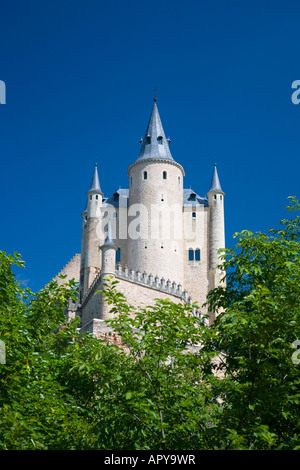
109	241
215	183
115	198
95	184
151	148
190	198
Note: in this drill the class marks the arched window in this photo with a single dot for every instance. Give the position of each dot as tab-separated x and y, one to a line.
164	175
145	175
191	254
197	254
118	255
148	139
194	215
160	139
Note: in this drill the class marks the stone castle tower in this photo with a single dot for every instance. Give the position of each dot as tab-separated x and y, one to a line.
156	238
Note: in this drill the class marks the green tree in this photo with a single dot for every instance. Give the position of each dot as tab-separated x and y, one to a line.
255	337
36	411
163	379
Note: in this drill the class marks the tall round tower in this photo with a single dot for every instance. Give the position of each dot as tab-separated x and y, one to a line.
216	228
92	252
155	221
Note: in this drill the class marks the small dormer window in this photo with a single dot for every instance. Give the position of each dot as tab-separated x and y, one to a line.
148	139
193	197
160	140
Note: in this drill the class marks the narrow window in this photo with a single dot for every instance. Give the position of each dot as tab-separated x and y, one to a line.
162	197
91	197
197	254
178	179
221	197
145	175
164	175
194	215
118	255
97	197
191	254
215	196
130	180
148	140
160	139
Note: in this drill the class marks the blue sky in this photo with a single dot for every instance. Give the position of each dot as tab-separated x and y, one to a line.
79	78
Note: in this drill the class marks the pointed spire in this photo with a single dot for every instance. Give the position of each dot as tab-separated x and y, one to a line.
109	241
95	184
215	183
155	144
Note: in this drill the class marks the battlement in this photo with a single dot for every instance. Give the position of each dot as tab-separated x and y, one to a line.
143	279
71	270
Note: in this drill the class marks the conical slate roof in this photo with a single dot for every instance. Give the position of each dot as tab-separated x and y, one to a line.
215	183
109	241
154	144
95	184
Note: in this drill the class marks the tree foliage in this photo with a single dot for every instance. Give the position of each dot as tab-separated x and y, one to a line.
170	381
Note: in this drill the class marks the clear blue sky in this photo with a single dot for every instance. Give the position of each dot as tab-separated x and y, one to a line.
80	79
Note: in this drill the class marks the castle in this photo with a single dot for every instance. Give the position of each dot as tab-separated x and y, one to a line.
157	239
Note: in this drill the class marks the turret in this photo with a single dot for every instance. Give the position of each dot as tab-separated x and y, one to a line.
108	268
93	232
155	223
108	265
216	228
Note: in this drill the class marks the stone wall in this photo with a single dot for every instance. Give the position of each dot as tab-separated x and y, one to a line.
140	290
71	270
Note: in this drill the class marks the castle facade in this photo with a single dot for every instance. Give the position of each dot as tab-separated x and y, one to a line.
156	238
